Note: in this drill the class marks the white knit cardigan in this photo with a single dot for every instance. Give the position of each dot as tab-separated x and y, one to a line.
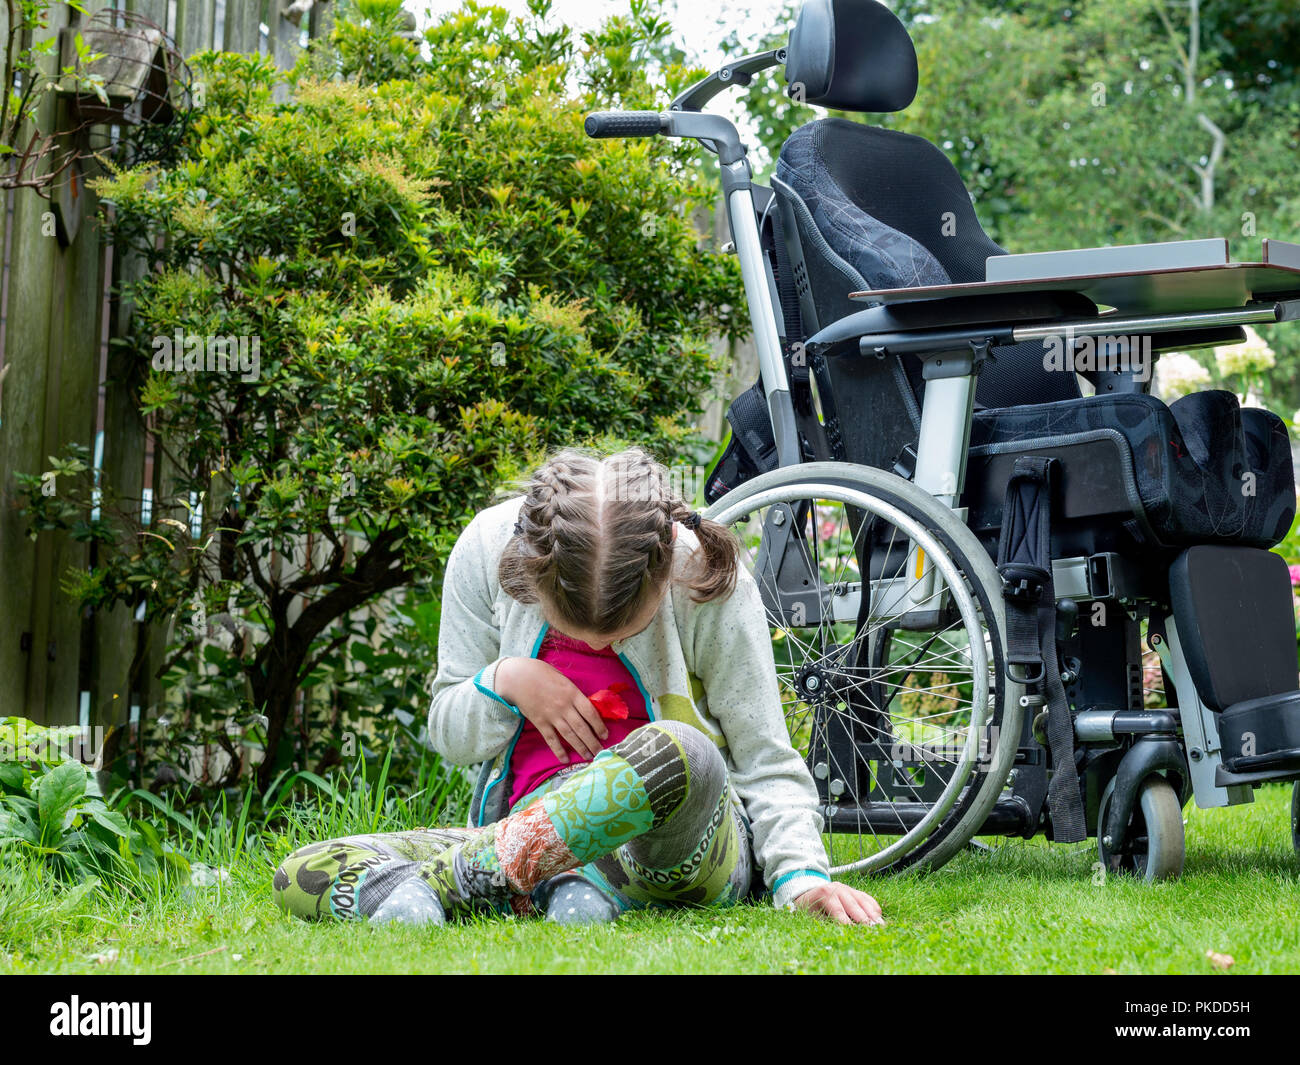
707	664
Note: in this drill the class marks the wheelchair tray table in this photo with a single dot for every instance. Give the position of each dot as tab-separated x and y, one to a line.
1191	275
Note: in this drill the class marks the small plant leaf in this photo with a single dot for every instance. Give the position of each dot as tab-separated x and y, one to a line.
15	827
110	820
70	900
59	789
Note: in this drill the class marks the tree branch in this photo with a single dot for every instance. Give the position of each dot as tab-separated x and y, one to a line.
1167	222
327	650
1189	81
1216	153
333	570
374	572
255	571
1178	187
181	652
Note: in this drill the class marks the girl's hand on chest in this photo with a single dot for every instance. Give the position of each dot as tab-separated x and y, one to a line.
554	704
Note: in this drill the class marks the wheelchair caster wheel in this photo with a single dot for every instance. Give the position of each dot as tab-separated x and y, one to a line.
1155	846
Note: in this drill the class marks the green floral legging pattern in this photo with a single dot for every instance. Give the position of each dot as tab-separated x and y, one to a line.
650	822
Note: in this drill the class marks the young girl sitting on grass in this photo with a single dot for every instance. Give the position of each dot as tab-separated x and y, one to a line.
605	654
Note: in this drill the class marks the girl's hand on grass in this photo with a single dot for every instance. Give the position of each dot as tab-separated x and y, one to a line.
839	902
554	704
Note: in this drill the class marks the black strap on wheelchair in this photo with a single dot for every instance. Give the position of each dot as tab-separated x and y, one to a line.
793	349
1025	565
774	238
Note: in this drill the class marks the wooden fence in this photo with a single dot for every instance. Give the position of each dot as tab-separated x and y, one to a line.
58	374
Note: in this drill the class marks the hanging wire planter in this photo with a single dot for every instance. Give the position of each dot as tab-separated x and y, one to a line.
132	92
123	93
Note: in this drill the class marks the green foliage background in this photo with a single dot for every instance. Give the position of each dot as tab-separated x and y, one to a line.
447	279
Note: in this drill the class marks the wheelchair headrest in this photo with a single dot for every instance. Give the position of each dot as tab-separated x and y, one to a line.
852	55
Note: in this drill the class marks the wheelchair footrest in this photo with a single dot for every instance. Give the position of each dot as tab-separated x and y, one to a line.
1262	735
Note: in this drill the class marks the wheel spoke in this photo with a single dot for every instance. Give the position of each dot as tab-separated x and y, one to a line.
882	712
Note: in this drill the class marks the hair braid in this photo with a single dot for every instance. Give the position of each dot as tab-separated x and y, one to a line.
595	540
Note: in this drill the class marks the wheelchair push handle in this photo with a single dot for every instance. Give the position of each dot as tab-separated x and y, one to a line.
603	124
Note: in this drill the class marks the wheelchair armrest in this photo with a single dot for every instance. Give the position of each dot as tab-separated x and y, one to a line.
995	310
934	329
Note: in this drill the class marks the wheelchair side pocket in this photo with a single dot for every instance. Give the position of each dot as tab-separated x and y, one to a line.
752	449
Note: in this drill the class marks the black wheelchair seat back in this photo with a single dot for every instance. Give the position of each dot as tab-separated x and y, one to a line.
871	208
863	207
892	208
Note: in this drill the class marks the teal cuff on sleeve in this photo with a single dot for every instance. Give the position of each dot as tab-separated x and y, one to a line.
478	683
789	886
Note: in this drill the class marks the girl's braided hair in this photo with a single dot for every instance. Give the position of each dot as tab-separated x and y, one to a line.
595	541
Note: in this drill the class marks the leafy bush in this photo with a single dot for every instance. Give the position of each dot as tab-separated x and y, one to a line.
443	277
51	807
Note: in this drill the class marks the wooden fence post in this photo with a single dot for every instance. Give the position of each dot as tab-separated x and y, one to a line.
48	401
55	366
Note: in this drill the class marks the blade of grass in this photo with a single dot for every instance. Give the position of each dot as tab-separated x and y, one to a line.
166	810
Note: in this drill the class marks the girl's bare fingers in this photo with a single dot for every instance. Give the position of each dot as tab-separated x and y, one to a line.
573	733
860	913
553	742
834	909
869	905
583	729
566	733
874	908
591	715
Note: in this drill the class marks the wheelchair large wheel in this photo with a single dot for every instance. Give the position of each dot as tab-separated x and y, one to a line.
887	629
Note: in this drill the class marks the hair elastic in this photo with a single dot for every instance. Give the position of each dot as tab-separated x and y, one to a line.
692	520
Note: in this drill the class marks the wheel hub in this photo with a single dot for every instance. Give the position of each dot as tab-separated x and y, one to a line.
813	684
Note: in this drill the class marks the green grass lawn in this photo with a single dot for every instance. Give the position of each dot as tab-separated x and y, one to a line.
1024	907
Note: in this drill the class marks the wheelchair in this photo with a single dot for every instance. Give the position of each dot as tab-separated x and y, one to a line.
999	606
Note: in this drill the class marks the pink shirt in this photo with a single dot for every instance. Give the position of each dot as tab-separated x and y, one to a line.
592	671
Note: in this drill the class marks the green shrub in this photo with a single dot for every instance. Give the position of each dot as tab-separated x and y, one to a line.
444	277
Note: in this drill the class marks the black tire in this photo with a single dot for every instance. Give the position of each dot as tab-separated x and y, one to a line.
851	670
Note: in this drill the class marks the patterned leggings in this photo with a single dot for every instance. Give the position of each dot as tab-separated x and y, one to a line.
649	823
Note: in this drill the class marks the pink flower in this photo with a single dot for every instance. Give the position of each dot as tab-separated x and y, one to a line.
1295	576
